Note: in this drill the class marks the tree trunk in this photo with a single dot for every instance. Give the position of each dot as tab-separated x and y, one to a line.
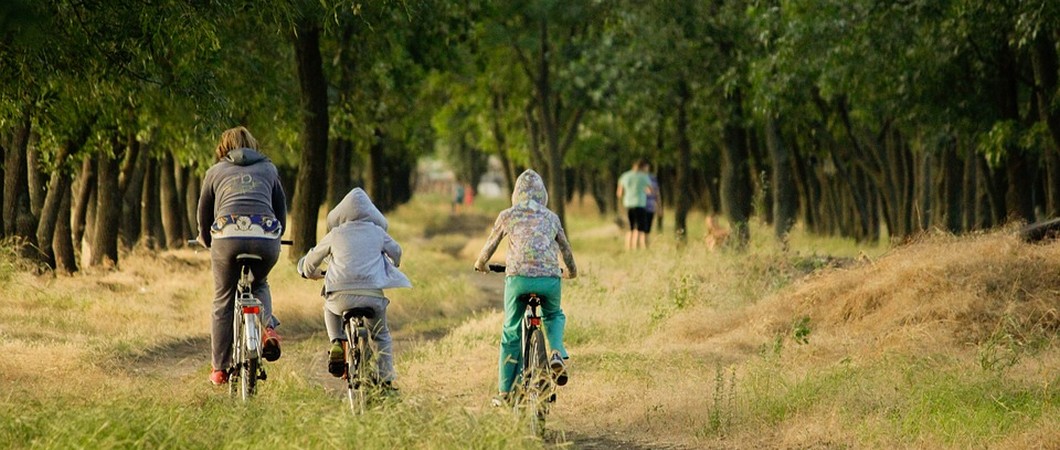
684	162
785	196
735	179
192	189
309	191
377	162
995	183
34	177
502	139
150	212
339	182
86	186
971	193
172	213
538	162
926	188
108	209
58	188
809	191
1044	62
62	241
953	176
1019	198
130	183
15	184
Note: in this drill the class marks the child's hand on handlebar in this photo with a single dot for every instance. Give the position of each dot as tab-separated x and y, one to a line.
480	266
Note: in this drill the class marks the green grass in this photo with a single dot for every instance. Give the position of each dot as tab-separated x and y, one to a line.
288	414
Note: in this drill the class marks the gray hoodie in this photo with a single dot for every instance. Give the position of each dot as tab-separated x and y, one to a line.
357	249
245	183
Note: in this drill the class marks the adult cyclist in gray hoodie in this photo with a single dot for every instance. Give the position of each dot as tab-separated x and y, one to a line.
242	209
361	260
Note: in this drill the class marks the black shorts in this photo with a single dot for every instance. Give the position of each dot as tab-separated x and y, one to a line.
649	218
638	219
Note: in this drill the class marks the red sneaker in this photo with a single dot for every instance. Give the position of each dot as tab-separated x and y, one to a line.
218	377
271	348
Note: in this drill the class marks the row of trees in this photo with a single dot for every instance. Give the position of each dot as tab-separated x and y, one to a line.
851	116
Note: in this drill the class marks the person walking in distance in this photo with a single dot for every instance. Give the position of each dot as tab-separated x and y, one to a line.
242	209
653	203
633	188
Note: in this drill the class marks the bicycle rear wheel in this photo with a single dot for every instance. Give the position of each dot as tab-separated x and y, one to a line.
536	379
250	362
356	360
248	377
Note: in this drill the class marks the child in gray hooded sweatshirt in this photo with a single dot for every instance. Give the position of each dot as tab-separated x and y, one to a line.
361	261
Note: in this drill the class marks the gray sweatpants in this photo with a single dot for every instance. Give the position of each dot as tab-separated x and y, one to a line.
337	303
226	279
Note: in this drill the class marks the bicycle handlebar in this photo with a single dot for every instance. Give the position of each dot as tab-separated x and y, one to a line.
501	268
196	243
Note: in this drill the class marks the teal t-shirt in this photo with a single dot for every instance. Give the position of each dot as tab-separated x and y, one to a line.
634	188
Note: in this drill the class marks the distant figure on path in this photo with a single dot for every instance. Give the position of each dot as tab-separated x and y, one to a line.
653	203
633	188
458	197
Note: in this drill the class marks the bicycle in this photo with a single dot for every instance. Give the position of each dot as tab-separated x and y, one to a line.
246	369
247	328
535	389
359	357
359	377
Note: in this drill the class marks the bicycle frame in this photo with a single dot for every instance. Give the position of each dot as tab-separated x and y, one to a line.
531	322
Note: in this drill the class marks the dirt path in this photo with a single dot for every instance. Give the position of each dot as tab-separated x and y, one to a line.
183	358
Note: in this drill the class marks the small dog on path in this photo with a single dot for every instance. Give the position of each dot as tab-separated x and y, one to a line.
716	235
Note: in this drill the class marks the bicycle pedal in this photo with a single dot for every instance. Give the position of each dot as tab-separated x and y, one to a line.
262	375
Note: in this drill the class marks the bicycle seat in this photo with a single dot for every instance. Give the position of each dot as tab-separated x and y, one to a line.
367	313
247	257
526	297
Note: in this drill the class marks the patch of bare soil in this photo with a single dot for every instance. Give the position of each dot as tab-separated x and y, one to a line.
174	359
604	442
466	224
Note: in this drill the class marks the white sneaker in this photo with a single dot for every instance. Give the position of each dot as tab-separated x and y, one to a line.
559	369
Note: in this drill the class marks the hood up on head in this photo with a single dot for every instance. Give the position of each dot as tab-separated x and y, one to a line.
355	206
529	187
245	156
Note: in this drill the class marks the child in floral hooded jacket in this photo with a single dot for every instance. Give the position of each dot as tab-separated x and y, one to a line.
534	236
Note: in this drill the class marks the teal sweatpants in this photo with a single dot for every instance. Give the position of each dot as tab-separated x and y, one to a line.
511	335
